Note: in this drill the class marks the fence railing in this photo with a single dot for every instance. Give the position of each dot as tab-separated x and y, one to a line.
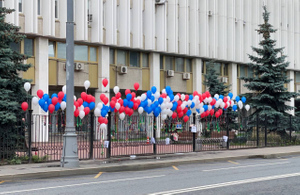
40	137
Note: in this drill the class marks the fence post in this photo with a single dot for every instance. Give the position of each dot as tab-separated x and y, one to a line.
92	136
194	134
227	130
29	134
109	135
154	135
291	128
266	135
257	131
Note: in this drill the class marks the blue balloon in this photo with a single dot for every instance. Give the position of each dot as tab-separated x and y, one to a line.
144	103
243	99
45	107
103	113
152	98
170	93
149	94
130	105
92	105
65	98
54	95
57	106
237	98
160	100
205	107
148	109
192	105
190	97
156	103
85	104
221	96
175	104
125	102
168	89
49	101
188	113
128	96
153	89
171	96
45	96
42	103
106	108
234	107
198	110
230	95
111	109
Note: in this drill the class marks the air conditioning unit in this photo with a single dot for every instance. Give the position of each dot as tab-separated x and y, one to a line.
79	66
160	2
90	17
186	76
210	13
170	73
224	79
123	69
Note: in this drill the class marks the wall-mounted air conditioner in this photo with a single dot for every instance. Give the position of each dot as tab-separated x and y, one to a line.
186	76
79	66
170	73
122	69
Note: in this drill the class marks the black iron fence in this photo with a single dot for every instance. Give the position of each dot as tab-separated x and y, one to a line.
41	136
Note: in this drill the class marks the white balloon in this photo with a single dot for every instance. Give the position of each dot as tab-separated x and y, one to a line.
81	114
63	105
222	105
228	104
163	91
196	97
209	107
117	106
97	112
183	106
75	98
231	103
201	110
182	97
167	99
74	108
116	89
189	103
103	126
163	117
163	106
122	116
100	105
27	86
176	98
216	96
170	112
240	104
141	110
81	108
247	107
149	102
87	84
209	99
156	95
64	89
35	101
143	97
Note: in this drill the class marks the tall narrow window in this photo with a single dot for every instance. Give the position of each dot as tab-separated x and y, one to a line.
145	60
93	54
121	57
61	50
134	59
161	60
28	47
20	6
39	7
179	65
169	62
15	46
56	9
111	56
188	65
51	49
81	52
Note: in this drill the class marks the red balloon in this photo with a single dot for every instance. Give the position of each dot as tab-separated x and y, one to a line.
202	115
76	104
127	110
180	114
136	86
105	100
51	108
127	91
60	95
179	109
105	120
118	95
225	99
217	114
187	97
80	101
99	119
93	99
174	115
83	96
213	102
195	93
179	102
120	101
86	110
114	99
104	82
203	96
76	113
121	109
54	100
212	112
185	110
133	95
185	118
130	112
135	106
40	93
112	104
24	106
89	98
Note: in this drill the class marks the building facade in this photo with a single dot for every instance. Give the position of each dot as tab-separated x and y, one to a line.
152	42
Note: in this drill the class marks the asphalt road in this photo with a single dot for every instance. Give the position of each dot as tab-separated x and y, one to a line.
251	176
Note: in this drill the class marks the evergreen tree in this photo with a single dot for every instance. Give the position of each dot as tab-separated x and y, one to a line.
12	93
269	96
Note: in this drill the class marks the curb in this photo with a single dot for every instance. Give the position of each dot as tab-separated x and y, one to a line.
134	166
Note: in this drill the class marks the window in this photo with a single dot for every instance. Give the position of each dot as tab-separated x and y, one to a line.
161	62
28	47
250	72
112	56
93	54
56	9
134	59
297	77
121	57
243	72
15	46
169	62
39	7
61	50
225	69
51	49
145	60
217	67
81	53
188	65
179	64
20	6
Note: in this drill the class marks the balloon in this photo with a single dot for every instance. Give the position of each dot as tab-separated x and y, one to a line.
143	97
234	107
86	110
174	115
243	99
240	104
63	105
122	116
230	95
27	86
85	104
76	113
112	104
127	91
153	89
46	97
180	114
35	101
92	105
247	107
104	82
212	112
97	112
148	94
64	89
185	119
141	110
188	113
83	95
81	114
136	86
40	93
130	104
51	108
87	84
24	106
128	96
103	126
116	89
105	100
54	100
237	98
117	106
135	106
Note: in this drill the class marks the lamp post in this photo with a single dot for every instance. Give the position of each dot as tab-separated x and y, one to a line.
70	152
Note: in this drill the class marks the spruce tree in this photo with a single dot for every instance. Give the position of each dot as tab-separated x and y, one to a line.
268	95
12	93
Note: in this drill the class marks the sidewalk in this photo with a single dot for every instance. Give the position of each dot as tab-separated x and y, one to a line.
46	170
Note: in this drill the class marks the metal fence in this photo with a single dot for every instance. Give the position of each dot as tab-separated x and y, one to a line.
141	134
